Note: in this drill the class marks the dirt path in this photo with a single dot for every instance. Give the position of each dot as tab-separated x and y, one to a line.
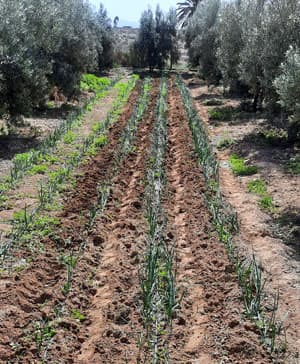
32	299
210	327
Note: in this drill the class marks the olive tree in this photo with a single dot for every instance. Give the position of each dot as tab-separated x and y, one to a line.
45	43
287	85
202	41
157	40
230	44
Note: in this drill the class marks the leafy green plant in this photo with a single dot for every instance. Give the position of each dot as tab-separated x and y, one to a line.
69	137
44	331
240	168
38	169
77	315
92	83
100	141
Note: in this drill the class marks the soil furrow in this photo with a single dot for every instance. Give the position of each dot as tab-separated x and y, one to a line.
31	299
111	330
210	326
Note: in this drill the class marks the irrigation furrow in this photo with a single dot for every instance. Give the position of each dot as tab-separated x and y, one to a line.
36	298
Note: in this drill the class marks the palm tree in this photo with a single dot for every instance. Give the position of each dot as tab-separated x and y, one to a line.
185	10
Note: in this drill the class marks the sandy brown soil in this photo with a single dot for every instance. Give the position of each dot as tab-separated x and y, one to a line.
32	298
279	256
210	327
110	331
100	320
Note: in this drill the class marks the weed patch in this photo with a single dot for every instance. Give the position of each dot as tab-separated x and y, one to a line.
240	168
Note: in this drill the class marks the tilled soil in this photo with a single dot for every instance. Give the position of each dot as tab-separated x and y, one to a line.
100	320
109	334
210	327
32	298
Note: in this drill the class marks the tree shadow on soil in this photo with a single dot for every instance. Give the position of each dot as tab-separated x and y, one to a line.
14	144
287	227
259	149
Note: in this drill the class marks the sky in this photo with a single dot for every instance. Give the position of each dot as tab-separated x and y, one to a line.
130	11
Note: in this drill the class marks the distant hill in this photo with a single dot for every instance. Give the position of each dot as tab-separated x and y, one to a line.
128	23
125	36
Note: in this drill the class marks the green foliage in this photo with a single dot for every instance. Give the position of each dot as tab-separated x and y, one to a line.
274	136
288	87
92	83
230	44
257	186
293	165
157	40
225	143
46	43
77	315
201	39
101	141
38	169
221	113
240	168
266	203
69	137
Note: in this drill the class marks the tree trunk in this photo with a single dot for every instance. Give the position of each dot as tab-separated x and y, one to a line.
293	130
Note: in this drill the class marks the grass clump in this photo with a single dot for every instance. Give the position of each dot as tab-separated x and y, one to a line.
239	166
274	136
77	315
266	203
257	186
100	141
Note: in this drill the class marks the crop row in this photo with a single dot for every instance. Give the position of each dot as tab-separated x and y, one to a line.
157	277
248	270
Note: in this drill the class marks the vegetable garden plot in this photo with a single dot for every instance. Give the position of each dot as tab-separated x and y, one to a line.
135	270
